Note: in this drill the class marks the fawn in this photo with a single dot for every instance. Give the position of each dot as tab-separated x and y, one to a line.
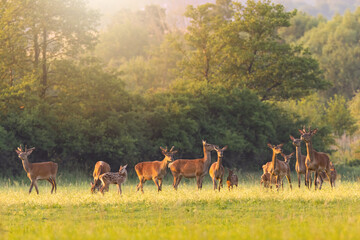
232	180
113	178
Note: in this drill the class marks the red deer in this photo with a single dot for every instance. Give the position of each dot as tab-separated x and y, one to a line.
100	168
192	168
38	171
315	161
231	180
278	169
155	170
217	170
300	167
265	179
323	176
113	178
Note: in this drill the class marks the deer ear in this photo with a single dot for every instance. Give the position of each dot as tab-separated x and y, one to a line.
283	155
174	152
269	145
124	166
292	138
291	154
301	132
280	145
28	152
314	131
224	148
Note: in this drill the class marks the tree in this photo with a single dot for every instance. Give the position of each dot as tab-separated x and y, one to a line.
335	45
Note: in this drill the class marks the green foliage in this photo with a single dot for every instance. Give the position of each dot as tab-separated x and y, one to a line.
335	46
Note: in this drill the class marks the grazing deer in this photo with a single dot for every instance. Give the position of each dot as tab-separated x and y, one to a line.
315	161
38	171
323	176
278	169
192	168
300	167
232	180
100	168
217	170
155	170
113	178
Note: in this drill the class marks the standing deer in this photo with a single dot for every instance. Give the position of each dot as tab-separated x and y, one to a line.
192	168
113	178
323	176
100	168
217	170
315	161
155	170
265	179
38	171
278	169
232	180
300	167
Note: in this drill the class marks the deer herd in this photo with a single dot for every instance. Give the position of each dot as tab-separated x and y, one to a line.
273	171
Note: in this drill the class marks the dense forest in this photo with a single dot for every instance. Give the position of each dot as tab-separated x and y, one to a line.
239	74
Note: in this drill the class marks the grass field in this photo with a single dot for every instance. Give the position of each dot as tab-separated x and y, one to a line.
245	213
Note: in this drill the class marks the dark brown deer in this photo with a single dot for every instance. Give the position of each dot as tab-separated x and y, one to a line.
315	161
232	180
38	171
100	168
113	178
217	170
278	169
155	170
300	167
192	168
323	177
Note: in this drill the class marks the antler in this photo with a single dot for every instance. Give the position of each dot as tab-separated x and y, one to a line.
172	148
164	149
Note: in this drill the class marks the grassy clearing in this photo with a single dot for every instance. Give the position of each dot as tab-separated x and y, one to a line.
247	212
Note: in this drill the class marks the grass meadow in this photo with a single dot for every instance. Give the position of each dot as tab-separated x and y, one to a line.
247	212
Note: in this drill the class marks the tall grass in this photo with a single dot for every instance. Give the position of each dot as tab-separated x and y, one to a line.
248	212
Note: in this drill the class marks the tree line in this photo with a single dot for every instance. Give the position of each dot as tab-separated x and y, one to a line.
236	76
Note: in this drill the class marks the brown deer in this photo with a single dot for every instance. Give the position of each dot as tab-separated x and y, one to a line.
265	179
192	168
113	178
100	168
278	169
300	167
217	170
323	176
38	171
315	161
232	180
155	170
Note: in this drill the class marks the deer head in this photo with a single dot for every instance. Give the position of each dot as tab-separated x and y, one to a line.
307	135
220	151
295	141
287	157
169	155
24	154
122	169
276	149
209	147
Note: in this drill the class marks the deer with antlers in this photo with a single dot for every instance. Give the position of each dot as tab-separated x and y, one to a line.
278	169
38	171
192	168
315	161
155	170
217	170
113	178
232	180
100	168
300	167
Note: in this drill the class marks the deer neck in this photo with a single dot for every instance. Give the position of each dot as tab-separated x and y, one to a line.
26	165
164	163
207	158
298	157
310	151
273	160
219	163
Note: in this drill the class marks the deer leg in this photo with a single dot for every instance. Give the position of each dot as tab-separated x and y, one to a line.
221	183
270	184
160	183
178	181
289	180
328	173
52	184
214	183
315	178
299	178
198	182
119	188
36	187
156	183
31	186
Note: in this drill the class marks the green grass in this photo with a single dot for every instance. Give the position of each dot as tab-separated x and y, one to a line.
245	213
